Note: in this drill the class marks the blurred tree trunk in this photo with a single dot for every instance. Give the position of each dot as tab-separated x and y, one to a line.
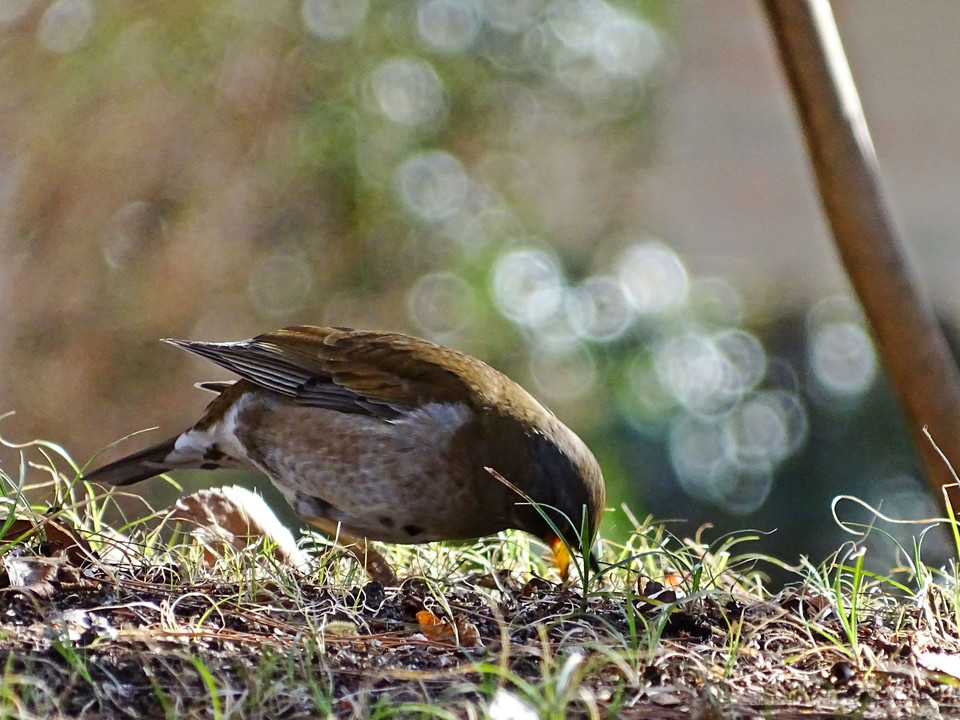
913	349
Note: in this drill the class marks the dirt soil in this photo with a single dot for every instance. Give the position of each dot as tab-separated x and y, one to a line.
104	642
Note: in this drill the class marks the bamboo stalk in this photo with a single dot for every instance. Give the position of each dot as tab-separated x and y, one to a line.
912	347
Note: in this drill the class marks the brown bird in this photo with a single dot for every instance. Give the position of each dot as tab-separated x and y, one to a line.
384	436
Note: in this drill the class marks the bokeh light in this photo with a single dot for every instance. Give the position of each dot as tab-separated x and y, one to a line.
604	55
598	309
65	25
610	41
333	19
732	434
765	429
433	185
449	26
646	403
408	91
745	357
702	454
488	226
840	352
697	373
653	277
528	286
510	15
441	304
714	302
699	454
563	374
742	493
842	358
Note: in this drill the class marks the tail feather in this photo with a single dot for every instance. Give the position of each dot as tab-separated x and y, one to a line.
134	468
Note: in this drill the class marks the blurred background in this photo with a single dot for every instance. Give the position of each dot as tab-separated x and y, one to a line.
607	200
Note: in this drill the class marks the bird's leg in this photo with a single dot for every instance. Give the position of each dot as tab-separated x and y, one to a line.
372	561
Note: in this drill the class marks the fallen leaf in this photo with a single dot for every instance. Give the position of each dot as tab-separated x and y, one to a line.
460	632
65	541
18	530
944	663
236	517
58	540
32	574
536	586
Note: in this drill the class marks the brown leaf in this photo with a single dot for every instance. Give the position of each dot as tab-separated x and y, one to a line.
499	580
460	632
428	619
60	540
63	540
236	517
536	586
33	574
804	602
18	530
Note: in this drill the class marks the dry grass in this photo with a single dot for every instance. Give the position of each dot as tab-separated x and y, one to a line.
139	619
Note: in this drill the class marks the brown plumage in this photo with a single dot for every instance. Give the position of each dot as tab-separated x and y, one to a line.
383	436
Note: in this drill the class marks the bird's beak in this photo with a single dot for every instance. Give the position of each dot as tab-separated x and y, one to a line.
561	557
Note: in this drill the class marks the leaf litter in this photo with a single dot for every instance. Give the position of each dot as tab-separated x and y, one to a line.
225	618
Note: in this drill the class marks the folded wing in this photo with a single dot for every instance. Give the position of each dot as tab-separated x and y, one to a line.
378	374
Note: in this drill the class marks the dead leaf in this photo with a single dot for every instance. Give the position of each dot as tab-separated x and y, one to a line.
460	632
428	619
500	580
33	574
236	517
58	540
18	530
64	541
536	586
943	663
805	602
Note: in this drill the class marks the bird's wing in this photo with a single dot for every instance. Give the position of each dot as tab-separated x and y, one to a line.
380	374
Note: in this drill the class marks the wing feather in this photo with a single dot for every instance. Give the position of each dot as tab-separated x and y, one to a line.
380	374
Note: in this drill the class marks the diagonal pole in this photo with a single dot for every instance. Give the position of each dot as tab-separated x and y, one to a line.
911	345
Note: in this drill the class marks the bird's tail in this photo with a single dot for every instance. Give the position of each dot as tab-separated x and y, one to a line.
139	466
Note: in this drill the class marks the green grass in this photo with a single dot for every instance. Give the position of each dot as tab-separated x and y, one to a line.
143	616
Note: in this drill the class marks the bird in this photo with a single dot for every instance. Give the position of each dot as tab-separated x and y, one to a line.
387	437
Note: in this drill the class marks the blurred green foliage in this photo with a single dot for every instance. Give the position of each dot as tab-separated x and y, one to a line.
465	170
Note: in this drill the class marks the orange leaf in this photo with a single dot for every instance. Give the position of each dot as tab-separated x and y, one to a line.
427	619
461	632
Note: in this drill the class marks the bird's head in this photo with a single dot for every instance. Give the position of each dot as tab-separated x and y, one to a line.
564	480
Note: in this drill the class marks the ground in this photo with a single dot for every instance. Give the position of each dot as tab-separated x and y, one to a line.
252	638
210	609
